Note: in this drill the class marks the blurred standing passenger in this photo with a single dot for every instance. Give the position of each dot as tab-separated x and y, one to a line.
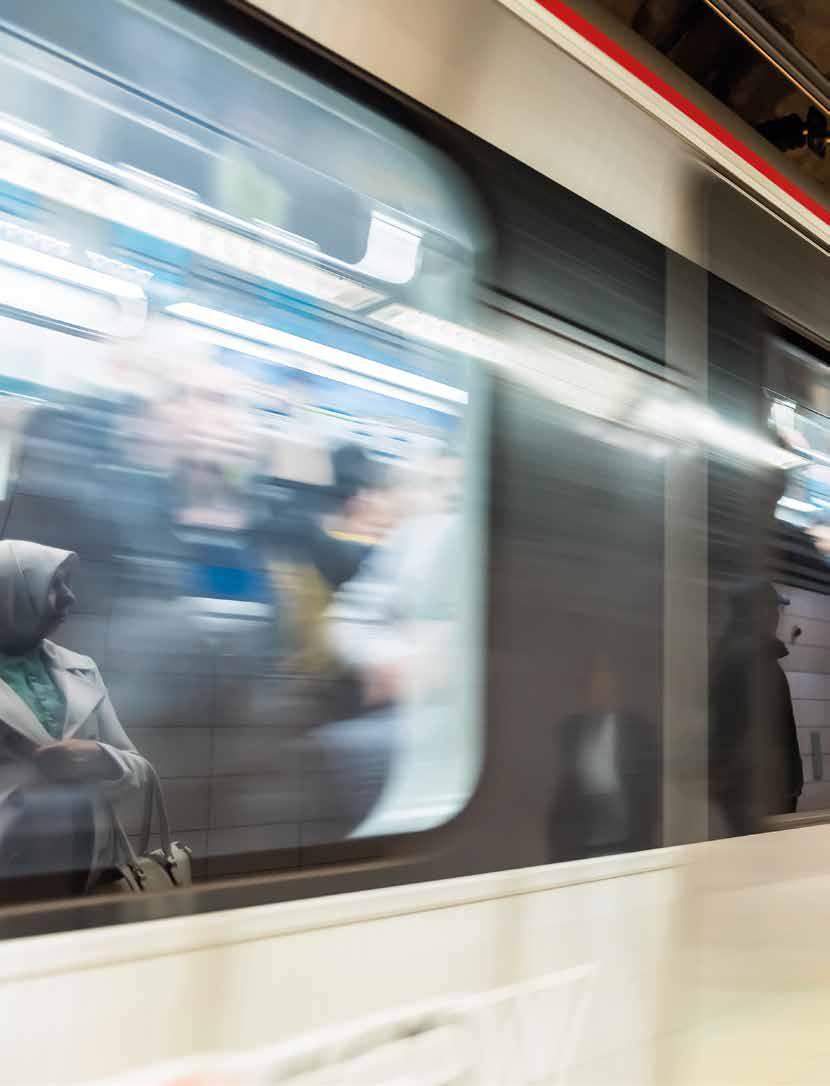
400	584
608	776
194	598
755	765
184	498
327	551
396	626
356	519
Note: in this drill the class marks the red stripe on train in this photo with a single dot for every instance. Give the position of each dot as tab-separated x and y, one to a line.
615	51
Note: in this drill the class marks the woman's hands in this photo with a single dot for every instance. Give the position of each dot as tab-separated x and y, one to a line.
75	760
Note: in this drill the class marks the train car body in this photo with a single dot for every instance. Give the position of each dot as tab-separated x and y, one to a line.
612	284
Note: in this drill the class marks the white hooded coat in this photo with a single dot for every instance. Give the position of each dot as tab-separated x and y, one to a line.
26	574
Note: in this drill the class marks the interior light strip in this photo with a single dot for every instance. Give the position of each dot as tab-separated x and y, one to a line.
308	364
684	420
440	332
54	267
796	505
694	422
333	356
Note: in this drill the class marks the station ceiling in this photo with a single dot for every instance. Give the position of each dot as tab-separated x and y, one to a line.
711	52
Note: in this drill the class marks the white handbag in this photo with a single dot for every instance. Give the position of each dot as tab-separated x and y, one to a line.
145	871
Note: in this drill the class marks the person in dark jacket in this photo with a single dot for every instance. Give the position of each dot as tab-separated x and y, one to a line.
755	766
348	532
327	551
607	775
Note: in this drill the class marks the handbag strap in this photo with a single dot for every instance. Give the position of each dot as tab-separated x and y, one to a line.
123	838
154	800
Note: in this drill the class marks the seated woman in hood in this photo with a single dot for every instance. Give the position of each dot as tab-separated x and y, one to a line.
64	757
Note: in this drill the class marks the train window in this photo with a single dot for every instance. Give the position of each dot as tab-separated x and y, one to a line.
240	541
799	409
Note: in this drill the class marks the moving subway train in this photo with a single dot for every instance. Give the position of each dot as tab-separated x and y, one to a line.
415	545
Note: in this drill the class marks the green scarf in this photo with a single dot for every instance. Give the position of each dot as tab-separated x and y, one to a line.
32	681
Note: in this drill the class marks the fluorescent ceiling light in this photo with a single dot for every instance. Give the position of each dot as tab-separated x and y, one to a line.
332	356
118	268
441	333
302	362
54	267
797	506
18	234
65	306
683	420
572	377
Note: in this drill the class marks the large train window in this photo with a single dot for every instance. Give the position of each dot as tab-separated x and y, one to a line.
240	547
798	400
798	409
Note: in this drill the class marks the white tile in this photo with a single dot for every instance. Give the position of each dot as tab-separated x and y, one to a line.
804	685
805	657
811	714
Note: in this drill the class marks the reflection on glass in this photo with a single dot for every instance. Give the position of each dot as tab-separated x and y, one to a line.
754	756
65	756
607	774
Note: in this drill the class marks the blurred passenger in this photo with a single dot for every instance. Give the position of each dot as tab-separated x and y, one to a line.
64	757
327	551
354	521
194	600
401	584
55	475
396	626
184	497
608	776
755	765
